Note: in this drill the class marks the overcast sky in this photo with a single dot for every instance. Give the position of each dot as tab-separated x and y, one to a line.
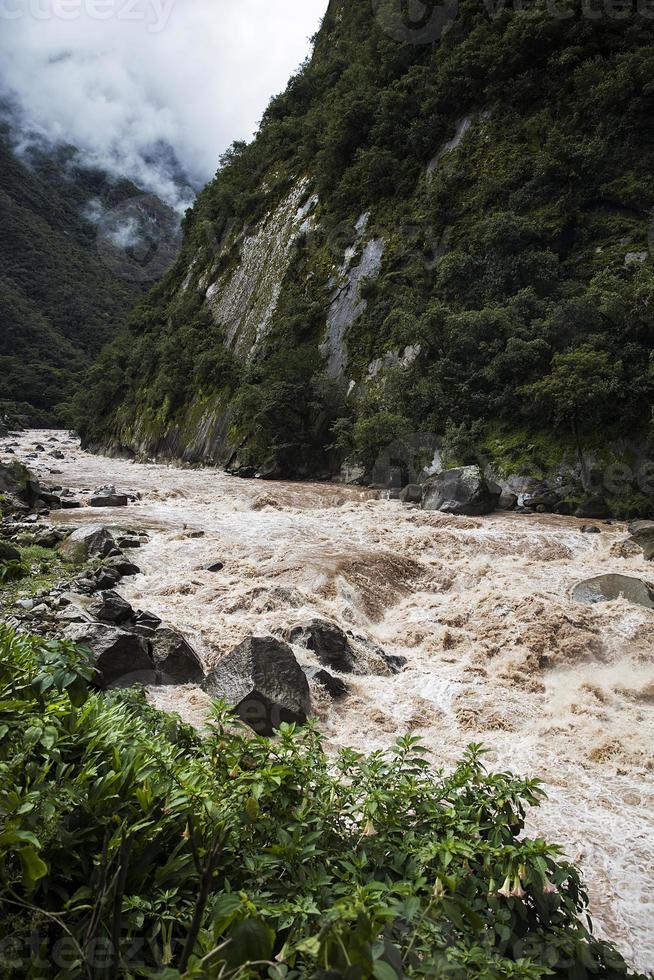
113	77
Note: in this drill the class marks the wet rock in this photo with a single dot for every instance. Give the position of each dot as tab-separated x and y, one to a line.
217	566
68	503
507	501
590	529
8	552
147	619
105	578
464	491
123	566
263	682
329	643
129	542
109	607
544	499
604	588
411	494
175	659
122	658
335	687
642	534
376	657
94	541
108	497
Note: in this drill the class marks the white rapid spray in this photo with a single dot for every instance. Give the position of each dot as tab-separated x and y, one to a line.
497	651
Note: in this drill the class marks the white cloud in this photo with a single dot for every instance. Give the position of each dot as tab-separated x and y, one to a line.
118	78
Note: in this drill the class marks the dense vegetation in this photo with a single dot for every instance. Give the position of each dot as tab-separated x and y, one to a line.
519	264
131	847
60	299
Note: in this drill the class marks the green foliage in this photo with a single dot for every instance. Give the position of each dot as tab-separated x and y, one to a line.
131	847
502	255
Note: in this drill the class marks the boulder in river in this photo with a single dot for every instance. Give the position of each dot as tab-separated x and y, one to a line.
122	658
92	541
122	565
464	491
642	534
411	494
263	682
329	643
604	588
335	687
108	497
174	658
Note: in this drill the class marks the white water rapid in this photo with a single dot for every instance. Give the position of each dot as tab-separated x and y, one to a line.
497	650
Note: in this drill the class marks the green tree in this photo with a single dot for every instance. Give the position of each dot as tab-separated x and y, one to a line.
580	393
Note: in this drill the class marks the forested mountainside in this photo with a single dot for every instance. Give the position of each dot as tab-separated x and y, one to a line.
445	235
68	274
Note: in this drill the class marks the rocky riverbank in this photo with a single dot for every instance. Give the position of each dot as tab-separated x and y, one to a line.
498	649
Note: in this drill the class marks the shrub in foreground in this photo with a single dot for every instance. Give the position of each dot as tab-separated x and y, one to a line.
131	847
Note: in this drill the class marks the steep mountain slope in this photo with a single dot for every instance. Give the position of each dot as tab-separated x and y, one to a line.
67	279
445	236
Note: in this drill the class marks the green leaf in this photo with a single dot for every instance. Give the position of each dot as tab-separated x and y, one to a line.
249	941
382	971
34	868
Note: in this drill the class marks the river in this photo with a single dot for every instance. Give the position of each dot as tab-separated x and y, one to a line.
497	650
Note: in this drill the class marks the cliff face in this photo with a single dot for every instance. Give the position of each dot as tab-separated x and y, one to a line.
442	228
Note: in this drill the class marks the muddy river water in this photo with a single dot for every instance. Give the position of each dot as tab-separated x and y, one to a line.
497	650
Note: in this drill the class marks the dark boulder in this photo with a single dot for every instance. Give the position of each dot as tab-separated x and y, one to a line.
605	588
109	607
122	658
123	566
507	501
18	484
329	643
105	578
464	491
92	541
217	566
544	498
263	682
411	494
108	497
335	687
147	619
175	659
